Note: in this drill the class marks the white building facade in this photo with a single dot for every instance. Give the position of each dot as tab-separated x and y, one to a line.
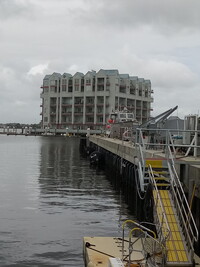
81	101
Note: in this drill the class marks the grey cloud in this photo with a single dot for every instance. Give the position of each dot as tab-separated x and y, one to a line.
15	8
166	16
157	40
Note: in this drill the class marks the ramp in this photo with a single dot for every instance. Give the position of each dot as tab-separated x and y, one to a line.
173	217
176	249
175	225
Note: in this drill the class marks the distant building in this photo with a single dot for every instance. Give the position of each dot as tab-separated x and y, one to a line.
81	101
174	122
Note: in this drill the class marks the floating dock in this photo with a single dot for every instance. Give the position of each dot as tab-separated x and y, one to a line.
98	251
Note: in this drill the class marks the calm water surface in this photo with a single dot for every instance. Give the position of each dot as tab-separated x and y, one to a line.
50	199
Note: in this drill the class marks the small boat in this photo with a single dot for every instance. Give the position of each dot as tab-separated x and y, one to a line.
121	123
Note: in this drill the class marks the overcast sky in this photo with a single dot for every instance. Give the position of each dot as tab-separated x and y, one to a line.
154	39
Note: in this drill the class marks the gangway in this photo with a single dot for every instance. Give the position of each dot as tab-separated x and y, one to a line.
173	218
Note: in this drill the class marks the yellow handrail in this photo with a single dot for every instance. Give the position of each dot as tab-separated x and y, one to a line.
137	228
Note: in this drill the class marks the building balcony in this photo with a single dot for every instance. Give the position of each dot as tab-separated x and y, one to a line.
52	105
66	105
122	106
89	123
130	107
89	113
89	104
78	123
78	113
100	104
66	123
78	105
41	113
46	86
99	114
66	113
152	91
53	114
41	105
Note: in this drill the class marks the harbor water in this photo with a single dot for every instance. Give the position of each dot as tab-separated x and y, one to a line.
50	199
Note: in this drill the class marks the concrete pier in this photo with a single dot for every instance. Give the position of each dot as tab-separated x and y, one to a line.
188	168
120	156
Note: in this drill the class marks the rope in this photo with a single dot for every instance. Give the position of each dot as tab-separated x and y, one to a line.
88	245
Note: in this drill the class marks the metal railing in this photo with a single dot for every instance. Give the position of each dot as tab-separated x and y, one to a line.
140	146
153	248
176	139
186	219
161	222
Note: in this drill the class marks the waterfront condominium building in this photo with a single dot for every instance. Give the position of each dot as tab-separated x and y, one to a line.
80	101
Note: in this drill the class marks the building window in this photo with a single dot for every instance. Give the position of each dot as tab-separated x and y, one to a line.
89	100
88	81
89	119
67	101
64	81
89	110
78	100
52	83
70	86
64	87
76	81
99	110
100	100
78	110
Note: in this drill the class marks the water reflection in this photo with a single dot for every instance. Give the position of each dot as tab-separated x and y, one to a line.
50	198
